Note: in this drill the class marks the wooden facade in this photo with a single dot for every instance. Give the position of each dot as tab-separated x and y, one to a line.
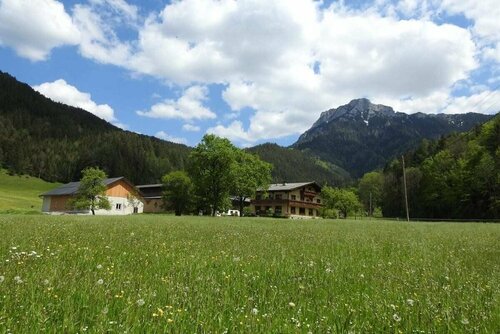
123	196
294	200
152	194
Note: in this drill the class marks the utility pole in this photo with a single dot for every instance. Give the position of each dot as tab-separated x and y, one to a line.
406	192
371	212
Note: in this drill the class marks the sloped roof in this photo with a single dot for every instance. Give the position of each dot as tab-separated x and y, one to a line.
156	185
72	187
289	186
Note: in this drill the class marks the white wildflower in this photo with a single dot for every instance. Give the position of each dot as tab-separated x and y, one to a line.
140	302
291	304
255	311
396	317
105	310
45	282
100	281
465	321
362	276
99	266
18	280
410	302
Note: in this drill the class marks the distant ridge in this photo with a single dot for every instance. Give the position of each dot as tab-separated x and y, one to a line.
361	136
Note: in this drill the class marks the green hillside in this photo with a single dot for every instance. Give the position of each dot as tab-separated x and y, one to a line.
292	165
457	176
19	194
40	137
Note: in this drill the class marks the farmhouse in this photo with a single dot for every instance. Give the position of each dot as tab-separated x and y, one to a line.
152	194
123	196
294	200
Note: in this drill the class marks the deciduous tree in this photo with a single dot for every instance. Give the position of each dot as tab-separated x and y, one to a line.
343	200
210	168
370	190
91	193
178	192
249	173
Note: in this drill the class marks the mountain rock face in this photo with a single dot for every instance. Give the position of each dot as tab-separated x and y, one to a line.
361	136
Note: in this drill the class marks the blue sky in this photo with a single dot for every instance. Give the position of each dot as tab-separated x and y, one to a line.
252	70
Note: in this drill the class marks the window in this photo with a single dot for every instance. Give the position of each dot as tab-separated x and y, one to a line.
136	210
118	206
311	213
294	197
318	201
292	210
278	196
259	196
277	210
302	211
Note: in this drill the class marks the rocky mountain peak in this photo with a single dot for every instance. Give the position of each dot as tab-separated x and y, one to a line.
358	108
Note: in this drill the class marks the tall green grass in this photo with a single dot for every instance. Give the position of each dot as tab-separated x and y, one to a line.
156	274
20	194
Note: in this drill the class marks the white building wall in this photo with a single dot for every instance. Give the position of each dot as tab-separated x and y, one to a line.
121	206
124	207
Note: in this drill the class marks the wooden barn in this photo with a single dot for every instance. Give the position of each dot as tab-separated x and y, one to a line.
124	198
152	194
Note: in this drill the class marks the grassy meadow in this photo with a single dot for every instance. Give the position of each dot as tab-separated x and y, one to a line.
19	194
155	274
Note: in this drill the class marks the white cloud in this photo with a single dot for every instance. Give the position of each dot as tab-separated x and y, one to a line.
234	132
191	127
34	27
164	136
285	64
487	102
330	58
99	40
61	91
485	14
188	107
119	7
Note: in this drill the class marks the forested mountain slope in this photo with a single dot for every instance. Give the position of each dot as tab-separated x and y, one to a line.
455	177
55	142
292	165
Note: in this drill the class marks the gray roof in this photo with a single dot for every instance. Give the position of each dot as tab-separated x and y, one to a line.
72	187
288	186
156	185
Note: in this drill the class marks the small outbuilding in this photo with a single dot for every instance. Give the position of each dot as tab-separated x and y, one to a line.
152	194
124	197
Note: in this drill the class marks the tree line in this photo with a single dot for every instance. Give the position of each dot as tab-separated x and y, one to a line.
455	177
